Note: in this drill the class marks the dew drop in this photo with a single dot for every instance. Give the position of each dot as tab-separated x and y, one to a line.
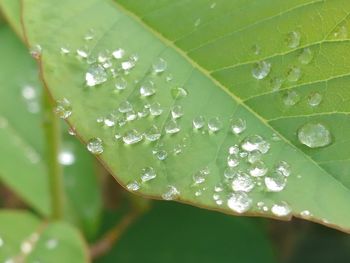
239	202
147	89
254	156
233	150
232	160
315	99
172	127
95	146
256	49
132	137
159	66
281	209
125	107
133	186
276	83
121	84
178	92
118	53
95	75
293	39
214	124
230	172
198	122
242	182
89	35
82	52
341	33
258	169
171	193
275	182
177	112
255	143
314	135
152	134
35	51
261	70
283	168
127	65
1	242
148	174
306	56
26	247
305	214
213	5
63	108
291	98
197	22
238	126
155	109
293	74
161	155
64	50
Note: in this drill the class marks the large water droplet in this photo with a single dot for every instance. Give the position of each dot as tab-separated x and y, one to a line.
214	124
261	70
239	202
63	108
293	74
242	182
148	174
283	168
171	193
177	111
198	122
291	98
281	209
155	109
275	182
314	99
314	135
147	89
258	169
293	39
121	84
132	137
95	75
238	126
255	143
95	146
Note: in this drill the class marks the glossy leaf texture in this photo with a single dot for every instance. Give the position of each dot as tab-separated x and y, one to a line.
24	238
22	140
267	76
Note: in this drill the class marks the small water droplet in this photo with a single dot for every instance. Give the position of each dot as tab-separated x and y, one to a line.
230	172
132	137
133	186
109	120
161	155
341	33
177	112
148	174
125	107
36	51
242	182
171	193
315	99
82	52
172	127
281	209
233	150
63	108
306	56
128	65
261	70
95	146
64	50
239	202
238	126
275	182
276	83
214	124
1	242
198	122
254	156
290	98
95	75
314	135
155	109
306	214
147	89
118	53
152	134
159	66
232	160
90	34
294	74
213	5
283	168
258	169
293	39
197	22
178	92
255	143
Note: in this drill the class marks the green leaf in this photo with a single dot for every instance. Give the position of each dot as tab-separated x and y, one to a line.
22	162
187	234
24	238
211	51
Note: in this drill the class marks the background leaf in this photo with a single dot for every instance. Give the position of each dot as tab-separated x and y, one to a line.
216	71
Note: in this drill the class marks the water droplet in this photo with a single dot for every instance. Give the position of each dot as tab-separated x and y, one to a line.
161	155
178	92
131	115
213	5
255	143
230	172
281	209
314	135
132	137
90	34
125	107
197	22
172	127
147	89
64	50
275	182
159	66
177	112
95	75
109	120
63	108
82	52
51	243
171	193
261	70
233	150
291	98
254	156
144	112
28	92
238	126
258	169
95	146
283	168
276	83
214	124
148	174
1	242
239	202
293	39
127	65
66	157
341	33
152	134
35	51
256	49
118	53
315	99
155	109
232	160
306	56
242	182
305	214
198	122
133	186
293	74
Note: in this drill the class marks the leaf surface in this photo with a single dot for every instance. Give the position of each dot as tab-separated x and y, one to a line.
211	50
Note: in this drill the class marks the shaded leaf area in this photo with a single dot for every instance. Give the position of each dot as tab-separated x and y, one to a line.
187	234
23	159
24	238
216	74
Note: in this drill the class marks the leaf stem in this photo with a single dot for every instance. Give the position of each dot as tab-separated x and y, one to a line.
53	137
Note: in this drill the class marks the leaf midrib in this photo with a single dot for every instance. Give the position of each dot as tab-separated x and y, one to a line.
206	73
